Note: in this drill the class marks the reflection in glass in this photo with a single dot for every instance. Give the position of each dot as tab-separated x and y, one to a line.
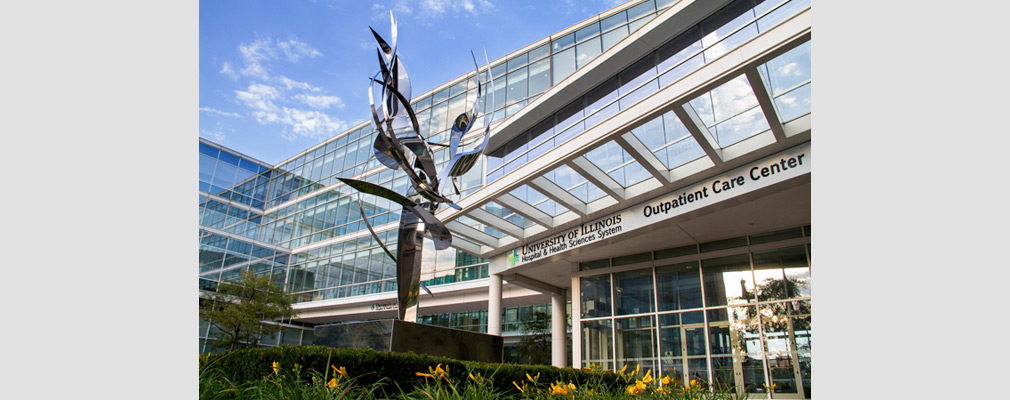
607	157
635	75
540	77
613	37
516	86
587	51
563	65
801	332
779	14
636	338
740	127
679	286
206	167
587	32
599	97
676	51
728	280
597	343
722	373
793	104
789	69
697	368
560	43
671	346
681	152
633	292
224	174
779	347
782	273
651	134
595	291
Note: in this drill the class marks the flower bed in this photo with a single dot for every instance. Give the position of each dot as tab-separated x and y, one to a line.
313	372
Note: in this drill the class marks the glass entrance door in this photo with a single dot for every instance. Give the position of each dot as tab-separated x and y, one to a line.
682	347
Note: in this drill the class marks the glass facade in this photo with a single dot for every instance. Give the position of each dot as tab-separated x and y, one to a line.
730	312
729	107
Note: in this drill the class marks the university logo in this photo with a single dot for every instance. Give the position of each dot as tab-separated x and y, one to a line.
514	257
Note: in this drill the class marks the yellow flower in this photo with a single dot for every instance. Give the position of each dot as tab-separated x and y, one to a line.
665	381
648	377
637	388
332	383
694	382
277	367
560	388
436	372
687	387
637	368
623	368
520	388
340	371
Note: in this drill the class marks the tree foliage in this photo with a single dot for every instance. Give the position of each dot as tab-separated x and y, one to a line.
535	345
239	307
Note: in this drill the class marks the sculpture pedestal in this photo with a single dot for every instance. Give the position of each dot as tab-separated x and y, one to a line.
403	336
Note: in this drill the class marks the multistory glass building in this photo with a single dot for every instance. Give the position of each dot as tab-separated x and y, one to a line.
646	184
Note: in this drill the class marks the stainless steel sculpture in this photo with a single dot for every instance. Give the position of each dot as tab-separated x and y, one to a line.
399	144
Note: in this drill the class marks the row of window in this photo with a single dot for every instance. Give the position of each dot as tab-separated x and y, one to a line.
518	79
741	20
733	320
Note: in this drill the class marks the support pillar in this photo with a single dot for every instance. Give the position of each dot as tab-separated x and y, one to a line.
559	325
494	309
408	265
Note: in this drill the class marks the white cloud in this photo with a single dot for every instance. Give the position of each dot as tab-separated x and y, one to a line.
434	8
320	102
295	49
259	50
226	70
381	13
215	135
257	55
219	112
790	69
255	70
260	98
313	124
429	10
293	84
272	98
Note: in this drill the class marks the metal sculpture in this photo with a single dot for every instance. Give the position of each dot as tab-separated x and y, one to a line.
400	145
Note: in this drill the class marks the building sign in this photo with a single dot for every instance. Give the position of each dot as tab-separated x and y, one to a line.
384	307
768	171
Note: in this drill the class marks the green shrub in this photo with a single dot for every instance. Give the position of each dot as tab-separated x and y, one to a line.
371	366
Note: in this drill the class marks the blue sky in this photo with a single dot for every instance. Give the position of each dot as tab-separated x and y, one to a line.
278	77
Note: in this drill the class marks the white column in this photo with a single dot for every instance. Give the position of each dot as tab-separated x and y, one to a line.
576	315
494	305
559	322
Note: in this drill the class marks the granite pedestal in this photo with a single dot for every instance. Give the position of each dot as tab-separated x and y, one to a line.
403	336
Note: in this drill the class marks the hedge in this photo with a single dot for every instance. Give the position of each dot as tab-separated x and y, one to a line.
370	366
